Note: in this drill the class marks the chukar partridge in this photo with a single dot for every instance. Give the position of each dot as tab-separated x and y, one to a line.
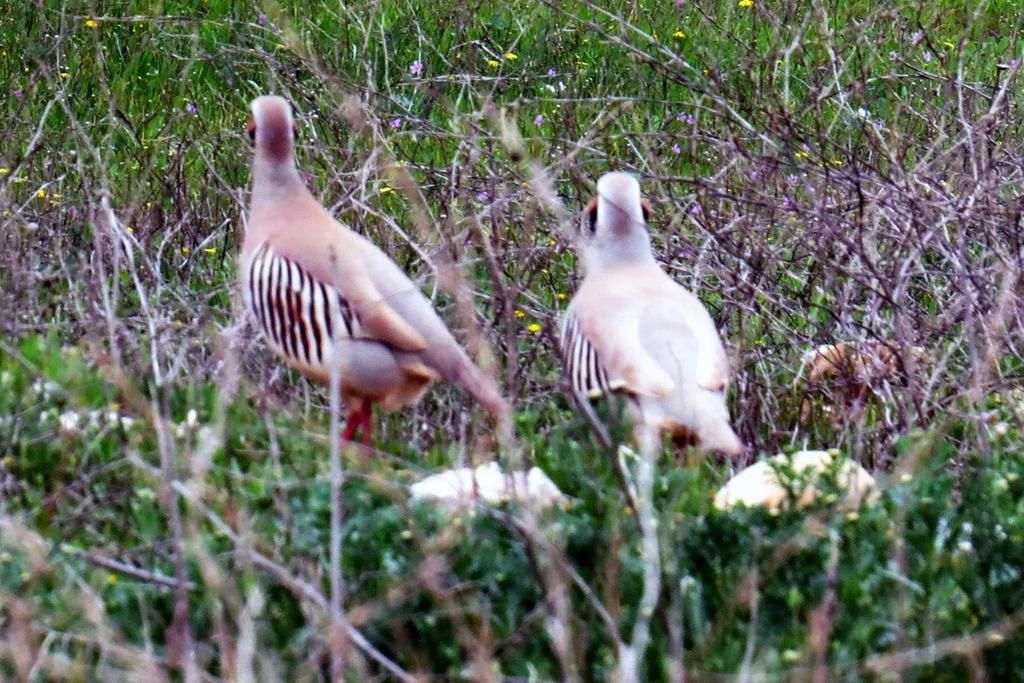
631	329
849	373
313	285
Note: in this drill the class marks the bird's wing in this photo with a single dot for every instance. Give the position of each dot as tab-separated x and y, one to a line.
332	255
602	351
681	315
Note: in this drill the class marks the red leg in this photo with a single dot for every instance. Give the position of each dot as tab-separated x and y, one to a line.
367	424
354	418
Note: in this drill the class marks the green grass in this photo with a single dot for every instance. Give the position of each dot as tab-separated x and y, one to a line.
819	172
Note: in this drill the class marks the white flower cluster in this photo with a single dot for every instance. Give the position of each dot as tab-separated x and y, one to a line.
73	422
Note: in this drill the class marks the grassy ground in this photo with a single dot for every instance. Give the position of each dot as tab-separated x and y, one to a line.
819	171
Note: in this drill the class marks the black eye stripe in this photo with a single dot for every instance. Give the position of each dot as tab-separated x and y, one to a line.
592	217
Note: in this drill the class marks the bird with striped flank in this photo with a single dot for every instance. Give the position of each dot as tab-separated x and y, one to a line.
631	329
317	288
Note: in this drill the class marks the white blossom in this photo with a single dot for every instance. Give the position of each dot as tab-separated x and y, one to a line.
69	422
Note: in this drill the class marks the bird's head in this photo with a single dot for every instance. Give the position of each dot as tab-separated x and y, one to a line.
272	131
616	222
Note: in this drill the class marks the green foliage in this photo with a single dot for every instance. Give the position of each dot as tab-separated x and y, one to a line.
939	556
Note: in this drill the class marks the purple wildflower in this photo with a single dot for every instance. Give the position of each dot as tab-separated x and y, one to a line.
483	196
788	201
754	175
695	210
538	119
552	73
686	253
416	68
1014	63
893	56
683	117
396	122
676	149
19	93
915	38
262	19
927	55
792	179
805	147
191	108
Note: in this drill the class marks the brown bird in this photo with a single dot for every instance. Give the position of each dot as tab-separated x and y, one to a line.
631	329
849	373
314	287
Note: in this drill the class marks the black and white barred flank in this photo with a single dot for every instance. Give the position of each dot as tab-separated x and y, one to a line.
297	312
582	366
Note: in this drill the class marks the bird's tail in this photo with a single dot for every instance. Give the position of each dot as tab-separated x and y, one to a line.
714	430
484	391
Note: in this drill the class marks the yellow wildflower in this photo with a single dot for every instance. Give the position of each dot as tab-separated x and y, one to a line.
91	23
678	35
838	162
386	190
746	3
493	63
534	327
41	194
511	56
111	579
949	45
4	170
185	250
210	250
129	229
65	74
520	314
561	296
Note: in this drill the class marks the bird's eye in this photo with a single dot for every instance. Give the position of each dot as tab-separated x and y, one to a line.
251	130
645	207
592	215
